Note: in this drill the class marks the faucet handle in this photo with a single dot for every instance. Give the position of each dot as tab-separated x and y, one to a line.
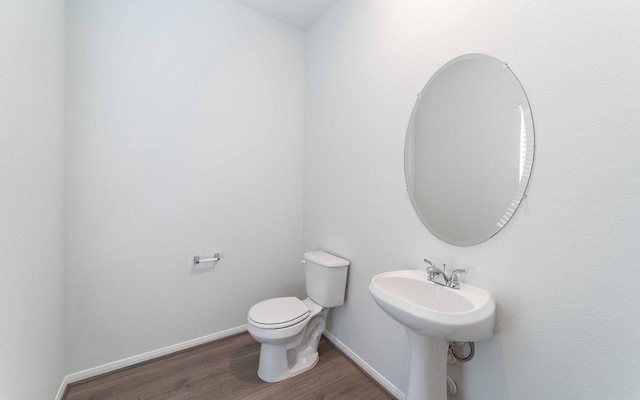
454	282
432	270
431	263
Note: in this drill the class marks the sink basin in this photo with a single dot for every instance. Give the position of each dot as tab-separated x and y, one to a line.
433	316
462	315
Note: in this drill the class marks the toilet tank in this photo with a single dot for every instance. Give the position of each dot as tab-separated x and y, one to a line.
326	277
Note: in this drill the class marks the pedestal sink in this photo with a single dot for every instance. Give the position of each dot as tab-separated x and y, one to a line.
433	316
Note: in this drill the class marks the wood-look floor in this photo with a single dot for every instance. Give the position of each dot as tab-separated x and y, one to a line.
226	370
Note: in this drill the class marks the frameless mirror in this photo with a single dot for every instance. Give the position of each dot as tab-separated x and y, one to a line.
469	149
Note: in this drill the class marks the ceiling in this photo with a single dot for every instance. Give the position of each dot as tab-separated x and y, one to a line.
298	13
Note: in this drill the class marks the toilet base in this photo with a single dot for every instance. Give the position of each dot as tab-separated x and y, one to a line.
276	363
280	361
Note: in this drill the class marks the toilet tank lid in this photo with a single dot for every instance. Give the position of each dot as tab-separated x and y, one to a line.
325	259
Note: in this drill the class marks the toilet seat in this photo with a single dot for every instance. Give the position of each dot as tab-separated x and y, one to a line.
278	313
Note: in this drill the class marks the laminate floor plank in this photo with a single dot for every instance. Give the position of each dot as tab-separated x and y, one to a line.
226	370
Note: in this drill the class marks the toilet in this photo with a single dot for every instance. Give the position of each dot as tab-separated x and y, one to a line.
288	328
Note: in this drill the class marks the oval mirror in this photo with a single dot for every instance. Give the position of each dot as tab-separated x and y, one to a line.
469	149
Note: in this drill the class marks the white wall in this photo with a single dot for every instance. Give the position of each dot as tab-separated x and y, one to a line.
565	270
31	210
185	123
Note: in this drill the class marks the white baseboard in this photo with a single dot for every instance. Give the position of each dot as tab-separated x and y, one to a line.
126	362
62	389
390	387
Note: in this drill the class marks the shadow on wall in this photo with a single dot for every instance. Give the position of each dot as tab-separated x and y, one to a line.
493	373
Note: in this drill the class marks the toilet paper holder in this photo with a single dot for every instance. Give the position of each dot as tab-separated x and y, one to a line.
198	260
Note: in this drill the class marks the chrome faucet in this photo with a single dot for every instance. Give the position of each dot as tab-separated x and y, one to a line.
433	272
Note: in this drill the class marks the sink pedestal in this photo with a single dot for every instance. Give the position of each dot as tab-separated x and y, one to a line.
428	372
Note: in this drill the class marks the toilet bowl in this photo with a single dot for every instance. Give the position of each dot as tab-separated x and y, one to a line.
289	346
289	329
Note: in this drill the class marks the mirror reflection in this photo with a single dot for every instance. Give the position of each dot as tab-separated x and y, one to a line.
469	149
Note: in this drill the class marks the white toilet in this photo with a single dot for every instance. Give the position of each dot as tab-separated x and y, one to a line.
288	328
